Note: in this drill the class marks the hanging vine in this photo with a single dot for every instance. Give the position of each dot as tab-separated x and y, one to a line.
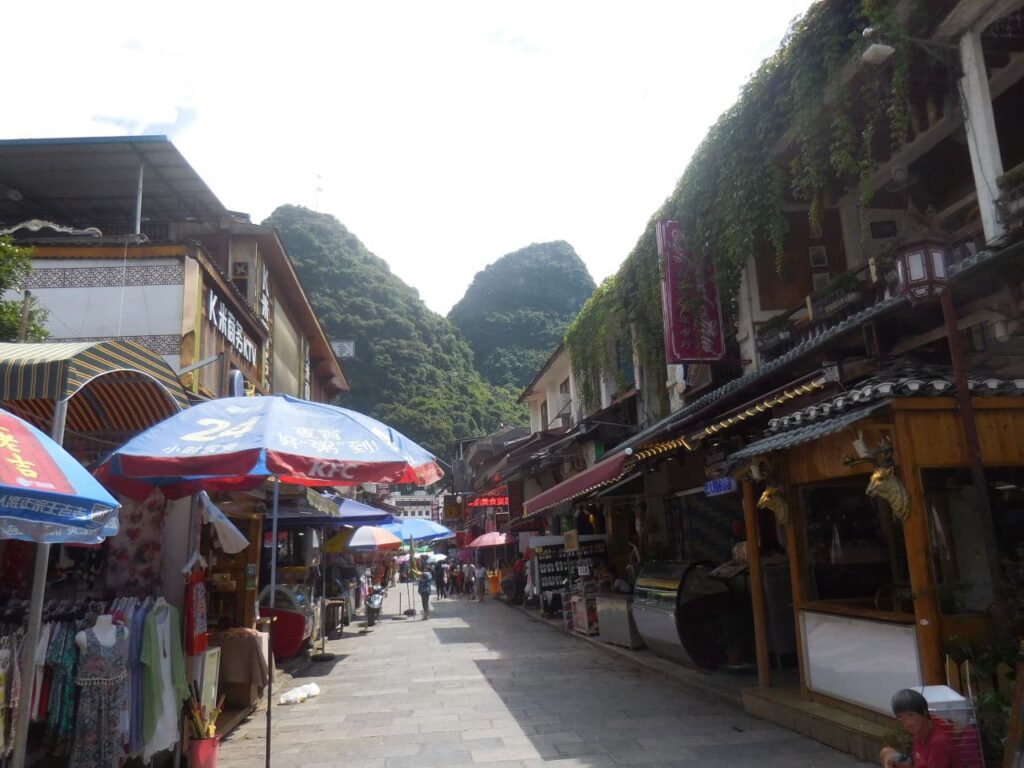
807	122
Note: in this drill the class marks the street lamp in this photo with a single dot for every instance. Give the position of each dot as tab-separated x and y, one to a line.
921	266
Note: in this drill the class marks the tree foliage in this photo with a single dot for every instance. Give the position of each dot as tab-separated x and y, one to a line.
15	267
411	368
515	311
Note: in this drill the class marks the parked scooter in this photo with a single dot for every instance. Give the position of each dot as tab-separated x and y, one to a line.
373	604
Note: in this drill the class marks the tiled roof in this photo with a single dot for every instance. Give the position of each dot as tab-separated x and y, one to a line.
819	339
803	434
902	378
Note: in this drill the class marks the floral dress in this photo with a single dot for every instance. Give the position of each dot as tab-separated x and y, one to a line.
102	681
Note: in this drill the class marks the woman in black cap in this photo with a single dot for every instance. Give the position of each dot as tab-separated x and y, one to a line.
932	738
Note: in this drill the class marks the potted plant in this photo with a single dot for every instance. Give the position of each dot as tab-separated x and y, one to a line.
844	292
775	334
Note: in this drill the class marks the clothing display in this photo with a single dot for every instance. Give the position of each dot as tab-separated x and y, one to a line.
101	679
163	679
93	704
135	555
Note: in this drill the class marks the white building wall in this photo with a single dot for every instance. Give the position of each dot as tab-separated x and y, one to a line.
96	299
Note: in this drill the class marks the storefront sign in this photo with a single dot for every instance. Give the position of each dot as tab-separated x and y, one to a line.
690	306
227	325
720	486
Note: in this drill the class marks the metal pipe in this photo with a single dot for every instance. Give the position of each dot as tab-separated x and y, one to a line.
35	616
273	590
138	202
970	426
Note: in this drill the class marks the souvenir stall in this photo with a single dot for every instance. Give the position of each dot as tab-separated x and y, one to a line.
110	607
883	533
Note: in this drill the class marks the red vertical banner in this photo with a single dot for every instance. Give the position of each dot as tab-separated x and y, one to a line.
690	303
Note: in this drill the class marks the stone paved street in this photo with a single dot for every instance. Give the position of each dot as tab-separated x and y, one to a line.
488	685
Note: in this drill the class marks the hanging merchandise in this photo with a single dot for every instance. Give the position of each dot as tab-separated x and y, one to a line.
134	558
163	676
196	639
836	549
230	538
102	699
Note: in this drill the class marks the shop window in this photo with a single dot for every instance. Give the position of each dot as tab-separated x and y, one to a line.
703	529
959	561
855	548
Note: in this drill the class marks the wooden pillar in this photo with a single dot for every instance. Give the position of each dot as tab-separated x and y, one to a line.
922	584
798	579
756	585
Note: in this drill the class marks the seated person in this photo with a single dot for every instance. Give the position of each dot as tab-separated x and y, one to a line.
932	739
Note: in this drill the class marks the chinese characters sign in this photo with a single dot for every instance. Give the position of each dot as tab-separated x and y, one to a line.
692	312
228	326
24	464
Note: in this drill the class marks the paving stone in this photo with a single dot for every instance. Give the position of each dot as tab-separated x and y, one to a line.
485	685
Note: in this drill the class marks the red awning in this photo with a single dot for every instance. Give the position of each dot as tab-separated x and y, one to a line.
590	479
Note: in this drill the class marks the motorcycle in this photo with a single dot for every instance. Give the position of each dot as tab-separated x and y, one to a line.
373	604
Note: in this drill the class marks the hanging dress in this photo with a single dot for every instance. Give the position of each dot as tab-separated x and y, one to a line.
102	676
163	679
5	662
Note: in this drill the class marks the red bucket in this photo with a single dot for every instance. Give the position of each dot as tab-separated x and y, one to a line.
202	753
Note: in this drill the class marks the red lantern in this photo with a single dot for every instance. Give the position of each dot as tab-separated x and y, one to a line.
921	266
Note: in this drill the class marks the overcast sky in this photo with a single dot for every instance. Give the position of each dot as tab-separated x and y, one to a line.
443	134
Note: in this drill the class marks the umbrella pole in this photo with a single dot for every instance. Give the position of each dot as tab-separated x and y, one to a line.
35	615
28	653
273	592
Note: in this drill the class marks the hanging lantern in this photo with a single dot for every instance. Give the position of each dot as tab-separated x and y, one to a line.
921	265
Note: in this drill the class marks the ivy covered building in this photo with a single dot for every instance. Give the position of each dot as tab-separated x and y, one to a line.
854	452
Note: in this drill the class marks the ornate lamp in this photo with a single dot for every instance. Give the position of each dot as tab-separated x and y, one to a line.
921	266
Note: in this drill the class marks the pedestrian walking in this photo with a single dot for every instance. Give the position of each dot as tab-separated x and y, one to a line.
439	581
480	580
460	578
470	574
425	583
449	587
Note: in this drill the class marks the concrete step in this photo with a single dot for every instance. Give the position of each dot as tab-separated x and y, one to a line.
838	729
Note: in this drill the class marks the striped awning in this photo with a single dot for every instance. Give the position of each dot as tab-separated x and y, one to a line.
113	386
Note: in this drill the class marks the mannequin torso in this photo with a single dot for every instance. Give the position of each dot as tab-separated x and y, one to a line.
106	633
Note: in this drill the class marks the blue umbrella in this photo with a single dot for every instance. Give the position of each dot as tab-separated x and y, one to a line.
418	529
235	443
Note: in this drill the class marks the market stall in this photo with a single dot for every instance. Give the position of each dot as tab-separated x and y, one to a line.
88	395
883	529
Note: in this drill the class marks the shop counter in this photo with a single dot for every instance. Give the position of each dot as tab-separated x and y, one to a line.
615	621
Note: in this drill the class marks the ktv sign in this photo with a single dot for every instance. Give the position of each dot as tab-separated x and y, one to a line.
228	326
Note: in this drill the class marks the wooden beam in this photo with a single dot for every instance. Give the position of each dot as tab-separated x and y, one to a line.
750	515
918	544
968	13
798	577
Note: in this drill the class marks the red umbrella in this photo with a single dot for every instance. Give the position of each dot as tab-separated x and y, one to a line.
491	539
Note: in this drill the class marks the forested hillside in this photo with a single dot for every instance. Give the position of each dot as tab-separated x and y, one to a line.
411	369
516	310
